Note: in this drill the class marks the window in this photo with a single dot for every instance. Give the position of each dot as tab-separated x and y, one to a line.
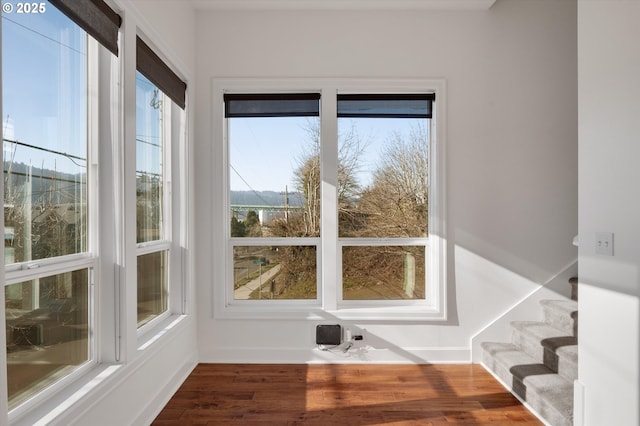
334	205
75	182
274	178
49	244
158	126
383	163
151	224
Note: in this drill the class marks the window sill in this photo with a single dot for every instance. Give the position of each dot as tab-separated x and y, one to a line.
52	408
158	329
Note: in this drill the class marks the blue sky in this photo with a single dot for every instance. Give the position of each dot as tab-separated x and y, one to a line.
44	94
44	86
267	151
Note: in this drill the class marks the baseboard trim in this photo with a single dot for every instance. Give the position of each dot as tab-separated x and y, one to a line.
355	355
155	406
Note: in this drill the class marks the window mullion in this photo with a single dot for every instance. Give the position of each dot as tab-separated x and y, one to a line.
328	264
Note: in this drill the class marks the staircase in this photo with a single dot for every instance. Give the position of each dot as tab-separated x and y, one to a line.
541	362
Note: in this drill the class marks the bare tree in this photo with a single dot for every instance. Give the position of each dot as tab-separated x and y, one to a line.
307	177
396	203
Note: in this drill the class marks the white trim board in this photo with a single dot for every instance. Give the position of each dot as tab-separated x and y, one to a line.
356	355
343	4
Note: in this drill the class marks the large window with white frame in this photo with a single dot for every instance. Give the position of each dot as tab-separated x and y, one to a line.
160	103
332	209
50	256
67	198
383	193
152	233
274	195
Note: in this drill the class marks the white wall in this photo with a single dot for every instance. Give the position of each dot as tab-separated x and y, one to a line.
512	155
171	24
609	104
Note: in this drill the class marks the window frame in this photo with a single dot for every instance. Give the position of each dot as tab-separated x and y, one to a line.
89	259
170	118
117	343
433	307
177	220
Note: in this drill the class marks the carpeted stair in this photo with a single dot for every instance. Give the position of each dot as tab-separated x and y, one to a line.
541	362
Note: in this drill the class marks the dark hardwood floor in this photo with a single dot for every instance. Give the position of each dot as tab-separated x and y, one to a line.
353	395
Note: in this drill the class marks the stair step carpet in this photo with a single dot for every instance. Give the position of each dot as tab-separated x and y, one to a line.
561	314
541	363
549	394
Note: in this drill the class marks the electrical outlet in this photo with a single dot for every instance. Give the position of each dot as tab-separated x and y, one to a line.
604	243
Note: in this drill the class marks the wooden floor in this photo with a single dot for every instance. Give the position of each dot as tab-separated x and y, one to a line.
353	395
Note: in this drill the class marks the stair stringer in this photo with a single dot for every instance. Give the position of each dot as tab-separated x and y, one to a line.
527	309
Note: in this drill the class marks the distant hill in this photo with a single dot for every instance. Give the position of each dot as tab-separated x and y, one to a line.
268	198
47	186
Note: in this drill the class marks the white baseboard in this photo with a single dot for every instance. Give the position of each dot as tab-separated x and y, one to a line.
155	405
355	355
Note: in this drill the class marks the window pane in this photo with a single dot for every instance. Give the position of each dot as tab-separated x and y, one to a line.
274	272
47	325
382	177
149	160
152	286
383	272
274	176
44	135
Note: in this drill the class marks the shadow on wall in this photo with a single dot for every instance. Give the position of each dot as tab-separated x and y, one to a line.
508	259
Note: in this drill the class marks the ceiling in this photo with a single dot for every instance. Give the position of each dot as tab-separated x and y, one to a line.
343	4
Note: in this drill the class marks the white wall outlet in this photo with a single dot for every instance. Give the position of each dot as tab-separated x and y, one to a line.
604	243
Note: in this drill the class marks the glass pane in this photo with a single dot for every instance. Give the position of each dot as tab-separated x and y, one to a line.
382	177
274	272
47	324
149	160
383	272
44	102
274	176
152	286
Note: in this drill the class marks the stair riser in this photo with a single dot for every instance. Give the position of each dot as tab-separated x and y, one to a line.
549	413
567	368
556	362
498	369
528	345
560	320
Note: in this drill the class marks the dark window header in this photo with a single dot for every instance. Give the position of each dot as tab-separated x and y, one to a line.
272	105
159	73
95	17
386	106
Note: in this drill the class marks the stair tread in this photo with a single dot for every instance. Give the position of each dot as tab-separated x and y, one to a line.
555	343
569	352
538	329
555	390
567	305
507	354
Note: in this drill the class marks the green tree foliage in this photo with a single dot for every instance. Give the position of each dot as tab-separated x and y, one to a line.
237	227
252	224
